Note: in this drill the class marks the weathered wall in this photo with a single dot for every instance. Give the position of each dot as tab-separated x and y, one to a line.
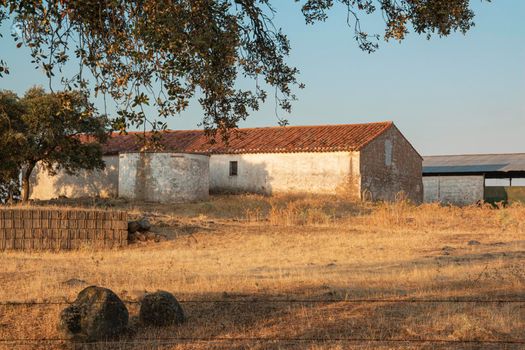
312	172
459	190
163	177
102	183
61	229
390	165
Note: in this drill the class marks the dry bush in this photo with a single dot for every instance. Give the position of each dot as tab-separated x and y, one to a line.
434	216
299	213
301	210
310	210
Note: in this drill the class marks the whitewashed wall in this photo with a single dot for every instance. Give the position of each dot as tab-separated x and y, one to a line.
102	183
311	172
459	190
163	177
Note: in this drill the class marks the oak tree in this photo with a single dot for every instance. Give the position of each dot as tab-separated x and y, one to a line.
163	53
11	141
57	131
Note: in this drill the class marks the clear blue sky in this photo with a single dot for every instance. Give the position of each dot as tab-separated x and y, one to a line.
460	94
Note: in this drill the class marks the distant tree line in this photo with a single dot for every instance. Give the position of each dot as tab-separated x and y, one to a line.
56	131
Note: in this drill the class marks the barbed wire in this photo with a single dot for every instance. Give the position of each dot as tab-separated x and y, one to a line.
284	301
171	340
175	340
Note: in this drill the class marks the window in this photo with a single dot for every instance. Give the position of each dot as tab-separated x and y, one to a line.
233	168
388	152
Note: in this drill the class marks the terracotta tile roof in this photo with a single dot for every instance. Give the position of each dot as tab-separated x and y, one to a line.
322	138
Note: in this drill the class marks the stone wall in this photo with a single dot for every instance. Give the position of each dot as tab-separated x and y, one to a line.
163	177
390	165
102	183
304	172
458	190
61	229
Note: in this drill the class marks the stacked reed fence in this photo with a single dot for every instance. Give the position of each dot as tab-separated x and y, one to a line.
61	229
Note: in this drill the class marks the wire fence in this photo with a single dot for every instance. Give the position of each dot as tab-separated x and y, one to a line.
170	340
305	301
173	340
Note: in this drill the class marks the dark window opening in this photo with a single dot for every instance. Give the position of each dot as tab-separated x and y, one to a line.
233	168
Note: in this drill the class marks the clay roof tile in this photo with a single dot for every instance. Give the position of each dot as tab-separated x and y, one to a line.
282	139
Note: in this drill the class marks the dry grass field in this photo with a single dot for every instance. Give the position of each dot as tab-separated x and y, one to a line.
257	272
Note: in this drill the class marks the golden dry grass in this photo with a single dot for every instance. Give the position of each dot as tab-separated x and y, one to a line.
238	262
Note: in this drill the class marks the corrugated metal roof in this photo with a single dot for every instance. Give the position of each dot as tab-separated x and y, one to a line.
474	163
322	138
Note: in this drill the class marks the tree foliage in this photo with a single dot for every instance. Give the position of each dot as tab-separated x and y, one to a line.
11	141
58	131
163	53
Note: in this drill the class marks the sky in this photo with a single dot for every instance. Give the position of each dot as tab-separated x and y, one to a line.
454	95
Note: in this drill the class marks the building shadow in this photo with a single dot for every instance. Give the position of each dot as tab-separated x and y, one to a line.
87	183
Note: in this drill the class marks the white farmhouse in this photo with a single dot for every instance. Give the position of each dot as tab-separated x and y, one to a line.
372	160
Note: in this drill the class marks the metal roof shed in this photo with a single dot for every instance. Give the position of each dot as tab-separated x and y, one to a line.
511	165
461	179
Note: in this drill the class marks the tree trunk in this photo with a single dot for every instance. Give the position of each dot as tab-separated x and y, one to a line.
10	197
25	182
